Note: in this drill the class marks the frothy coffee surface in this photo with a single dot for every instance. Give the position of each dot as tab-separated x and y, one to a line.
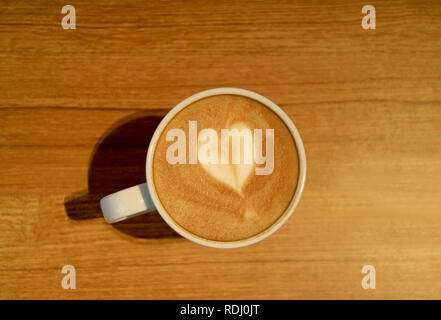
226	202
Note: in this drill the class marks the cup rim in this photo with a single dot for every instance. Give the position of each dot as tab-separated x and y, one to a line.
283	217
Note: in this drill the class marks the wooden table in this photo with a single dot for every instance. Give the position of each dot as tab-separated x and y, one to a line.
78	108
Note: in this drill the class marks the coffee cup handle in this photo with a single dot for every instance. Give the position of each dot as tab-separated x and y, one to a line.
127	203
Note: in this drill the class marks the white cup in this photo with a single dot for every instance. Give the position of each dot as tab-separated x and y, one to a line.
143	198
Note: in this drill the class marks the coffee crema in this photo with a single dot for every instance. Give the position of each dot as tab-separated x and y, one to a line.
227	202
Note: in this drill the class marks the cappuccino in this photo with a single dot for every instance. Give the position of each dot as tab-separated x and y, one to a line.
225	167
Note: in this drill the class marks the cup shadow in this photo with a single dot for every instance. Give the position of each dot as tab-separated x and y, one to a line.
118	162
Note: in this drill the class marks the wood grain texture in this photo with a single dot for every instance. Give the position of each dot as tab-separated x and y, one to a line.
77	108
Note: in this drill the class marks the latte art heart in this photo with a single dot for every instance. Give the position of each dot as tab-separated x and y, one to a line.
232	175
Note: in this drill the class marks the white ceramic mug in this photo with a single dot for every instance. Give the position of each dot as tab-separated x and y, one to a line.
142	198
